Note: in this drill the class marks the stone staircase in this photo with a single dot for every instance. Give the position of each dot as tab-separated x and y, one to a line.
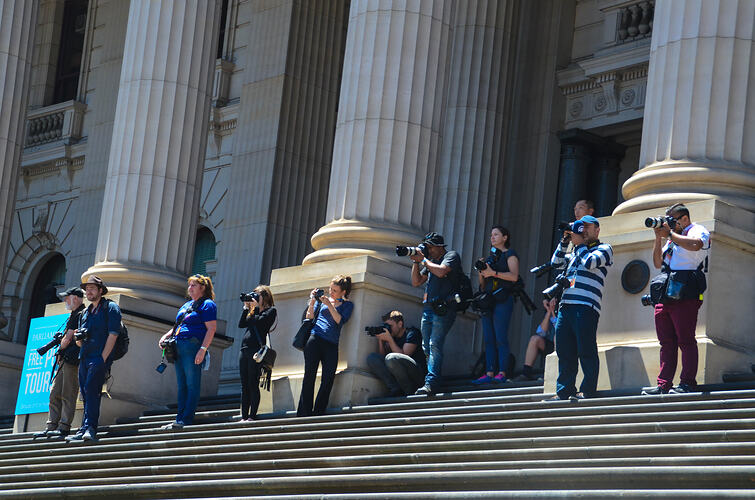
496	442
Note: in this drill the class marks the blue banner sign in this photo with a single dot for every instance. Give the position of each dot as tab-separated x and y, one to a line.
34	389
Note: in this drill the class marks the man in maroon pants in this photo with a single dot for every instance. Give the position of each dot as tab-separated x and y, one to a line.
682	255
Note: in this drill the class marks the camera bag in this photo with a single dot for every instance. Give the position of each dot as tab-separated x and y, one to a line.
302	335
265	357
170	350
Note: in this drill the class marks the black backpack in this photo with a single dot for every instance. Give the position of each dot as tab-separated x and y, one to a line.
464	289
121	343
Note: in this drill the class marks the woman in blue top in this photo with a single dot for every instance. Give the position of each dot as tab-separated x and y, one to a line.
193	338
497	278
322	347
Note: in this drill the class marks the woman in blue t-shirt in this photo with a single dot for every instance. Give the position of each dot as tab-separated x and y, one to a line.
193	338
322	347
497	278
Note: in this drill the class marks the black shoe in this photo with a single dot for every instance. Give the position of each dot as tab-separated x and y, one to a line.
654	391
523	378
41	434
57	434
577	396
682	389
425	390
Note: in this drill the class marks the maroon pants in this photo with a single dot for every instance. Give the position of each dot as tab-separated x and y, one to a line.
675	326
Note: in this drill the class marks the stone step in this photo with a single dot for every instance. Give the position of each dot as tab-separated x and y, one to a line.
545	415
519	458
690	477
114	477
498	424
161	453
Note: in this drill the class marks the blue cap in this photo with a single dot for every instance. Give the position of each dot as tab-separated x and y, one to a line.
589	219
577	227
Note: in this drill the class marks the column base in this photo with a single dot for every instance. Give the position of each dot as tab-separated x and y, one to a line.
146	282
343	239
379	286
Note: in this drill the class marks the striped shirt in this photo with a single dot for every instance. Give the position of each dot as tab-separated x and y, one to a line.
586	271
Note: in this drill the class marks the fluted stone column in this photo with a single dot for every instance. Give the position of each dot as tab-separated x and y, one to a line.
699	122
18	20
474	130
383	172
151	203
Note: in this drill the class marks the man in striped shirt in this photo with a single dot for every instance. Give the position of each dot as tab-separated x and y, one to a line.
577	323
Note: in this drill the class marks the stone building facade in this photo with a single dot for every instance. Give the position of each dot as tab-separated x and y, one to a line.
283	141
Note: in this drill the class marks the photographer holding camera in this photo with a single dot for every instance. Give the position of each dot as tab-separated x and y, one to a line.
257	317
332	312
500	272
96	334
400	361
65	382
436	269
577	322
681	258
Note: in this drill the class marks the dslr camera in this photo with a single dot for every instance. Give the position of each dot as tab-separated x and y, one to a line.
377	330
563	226
55	342
318	293
402	251
81	335
249	297
654	222
646	300
481	264
556	289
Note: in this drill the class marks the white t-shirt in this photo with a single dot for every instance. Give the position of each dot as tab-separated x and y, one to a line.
682	259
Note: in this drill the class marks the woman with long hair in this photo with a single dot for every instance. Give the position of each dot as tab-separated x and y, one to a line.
322	347
498	277
257	317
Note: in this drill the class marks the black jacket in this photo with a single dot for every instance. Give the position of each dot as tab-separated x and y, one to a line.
263	321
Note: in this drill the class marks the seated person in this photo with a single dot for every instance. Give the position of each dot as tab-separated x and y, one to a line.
542	341
400	361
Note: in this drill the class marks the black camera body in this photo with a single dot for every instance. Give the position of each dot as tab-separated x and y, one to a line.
557	288
646	300
376	330
654	222
541	270
55	342
249	297
402	251
81	335
319	293
563	226
481	264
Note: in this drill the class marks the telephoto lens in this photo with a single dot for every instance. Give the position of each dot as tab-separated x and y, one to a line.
376	330
554	291
248	297
654	222
646	300
480	265
403	251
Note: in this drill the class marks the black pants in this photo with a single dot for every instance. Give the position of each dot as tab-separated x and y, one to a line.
317	351
250	372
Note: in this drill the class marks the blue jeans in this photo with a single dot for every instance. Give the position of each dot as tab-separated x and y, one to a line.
576	329
189	378
495	331
434	329
91	377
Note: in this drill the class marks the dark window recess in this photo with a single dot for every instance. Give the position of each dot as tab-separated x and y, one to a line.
71	50
223	27
204	250
51	276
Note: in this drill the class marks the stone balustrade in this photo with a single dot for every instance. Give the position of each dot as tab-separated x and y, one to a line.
59	122
635	21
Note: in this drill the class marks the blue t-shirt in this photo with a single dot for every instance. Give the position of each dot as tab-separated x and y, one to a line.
103	321
326	327
442	288
193	325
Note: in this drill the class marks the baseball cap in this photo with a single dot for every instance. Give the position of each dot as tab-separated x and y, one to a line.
434	239
74	290
589	219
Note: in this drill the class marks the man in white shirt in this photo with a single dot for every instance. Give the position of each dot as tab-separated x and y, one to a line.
683	254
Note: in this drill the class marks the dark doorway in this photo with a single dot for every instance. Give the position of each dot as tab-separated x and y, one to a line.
51	276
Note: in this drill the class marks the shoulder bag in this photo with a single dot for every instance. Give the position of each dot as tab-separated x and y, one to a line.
265	357
302	335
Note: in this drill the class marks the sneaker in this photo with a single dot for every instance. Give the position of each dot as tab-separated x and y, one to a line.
555	397
58	433
172	426
654	391
425	390
500	378
79	436
682	389
485	379
89	435
522	378
577	396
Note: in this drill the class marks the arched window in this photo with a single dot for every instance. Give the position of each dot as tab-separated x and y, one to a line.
50	278
204	250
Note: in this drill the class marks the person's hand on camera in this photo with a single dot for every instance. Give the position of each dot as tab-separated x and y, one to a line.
662	231
418	257
163	339
487	272
566	238
577	239
312	297
385	335
248	306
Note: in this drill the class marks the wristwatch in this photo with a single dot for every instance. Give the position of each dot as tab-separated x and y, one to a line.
203	348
